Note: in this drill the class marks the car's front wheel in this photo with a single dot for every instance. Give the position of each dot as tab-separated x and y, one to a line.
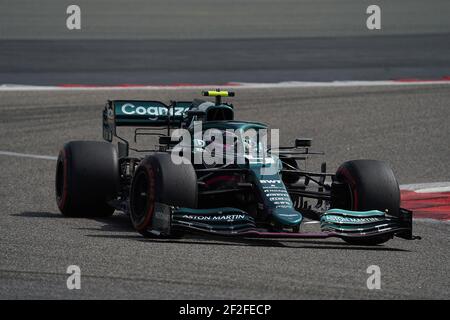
158	179
368	185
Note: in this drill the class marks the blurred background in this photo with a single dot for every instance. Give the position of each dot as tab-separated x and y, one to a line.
212	41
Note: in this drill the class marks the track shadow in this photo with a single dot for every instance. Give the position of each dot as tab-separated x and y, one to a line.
115	223
121	223
38	214
243	242
189	239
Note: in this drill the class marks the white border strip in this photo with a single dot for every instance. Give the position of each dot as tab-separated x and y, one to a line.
300	84
427	187
288	84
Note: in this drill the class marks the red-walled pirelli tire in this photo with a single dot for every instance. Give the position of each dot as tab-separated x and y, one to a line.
87	176
372	186
159	179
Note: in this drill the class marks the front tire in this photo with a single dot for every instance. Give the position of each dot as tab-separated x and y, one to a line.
87	177
158	179
370	185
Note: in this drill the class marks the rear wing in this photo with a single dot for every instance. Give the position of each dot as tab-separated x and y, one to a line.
140	113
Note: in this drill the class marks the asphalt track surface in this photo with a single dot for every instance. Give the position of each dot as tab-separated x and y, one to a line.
405	125
206	61
207	42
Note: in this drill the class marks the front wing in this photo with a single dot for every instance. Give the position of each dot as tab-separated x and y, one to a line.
336	223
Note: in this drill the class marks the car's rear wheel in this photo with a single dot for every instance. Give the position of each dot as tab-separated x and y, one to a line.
368	185
87	177
158	179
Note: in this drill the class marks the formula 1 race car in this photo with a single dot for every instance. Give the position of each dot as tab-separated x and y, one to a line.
258	192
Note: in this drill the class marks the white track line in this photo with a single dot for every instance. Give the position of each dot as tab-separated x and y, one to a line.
288	84
27	155
301	84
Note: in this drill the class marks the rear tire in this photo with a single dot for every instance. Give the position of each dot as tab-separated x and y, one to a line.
371	186
158	179
87	176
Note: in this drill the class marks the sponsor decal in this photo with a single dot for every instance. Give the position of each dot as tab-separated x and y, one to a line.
226	217
278	198
152	111
275	192
281	203
270	181
330	218
273	189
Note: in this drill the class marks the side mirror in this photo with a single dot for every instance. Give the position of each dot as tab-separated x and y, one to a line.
303	142
168	140
192	113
